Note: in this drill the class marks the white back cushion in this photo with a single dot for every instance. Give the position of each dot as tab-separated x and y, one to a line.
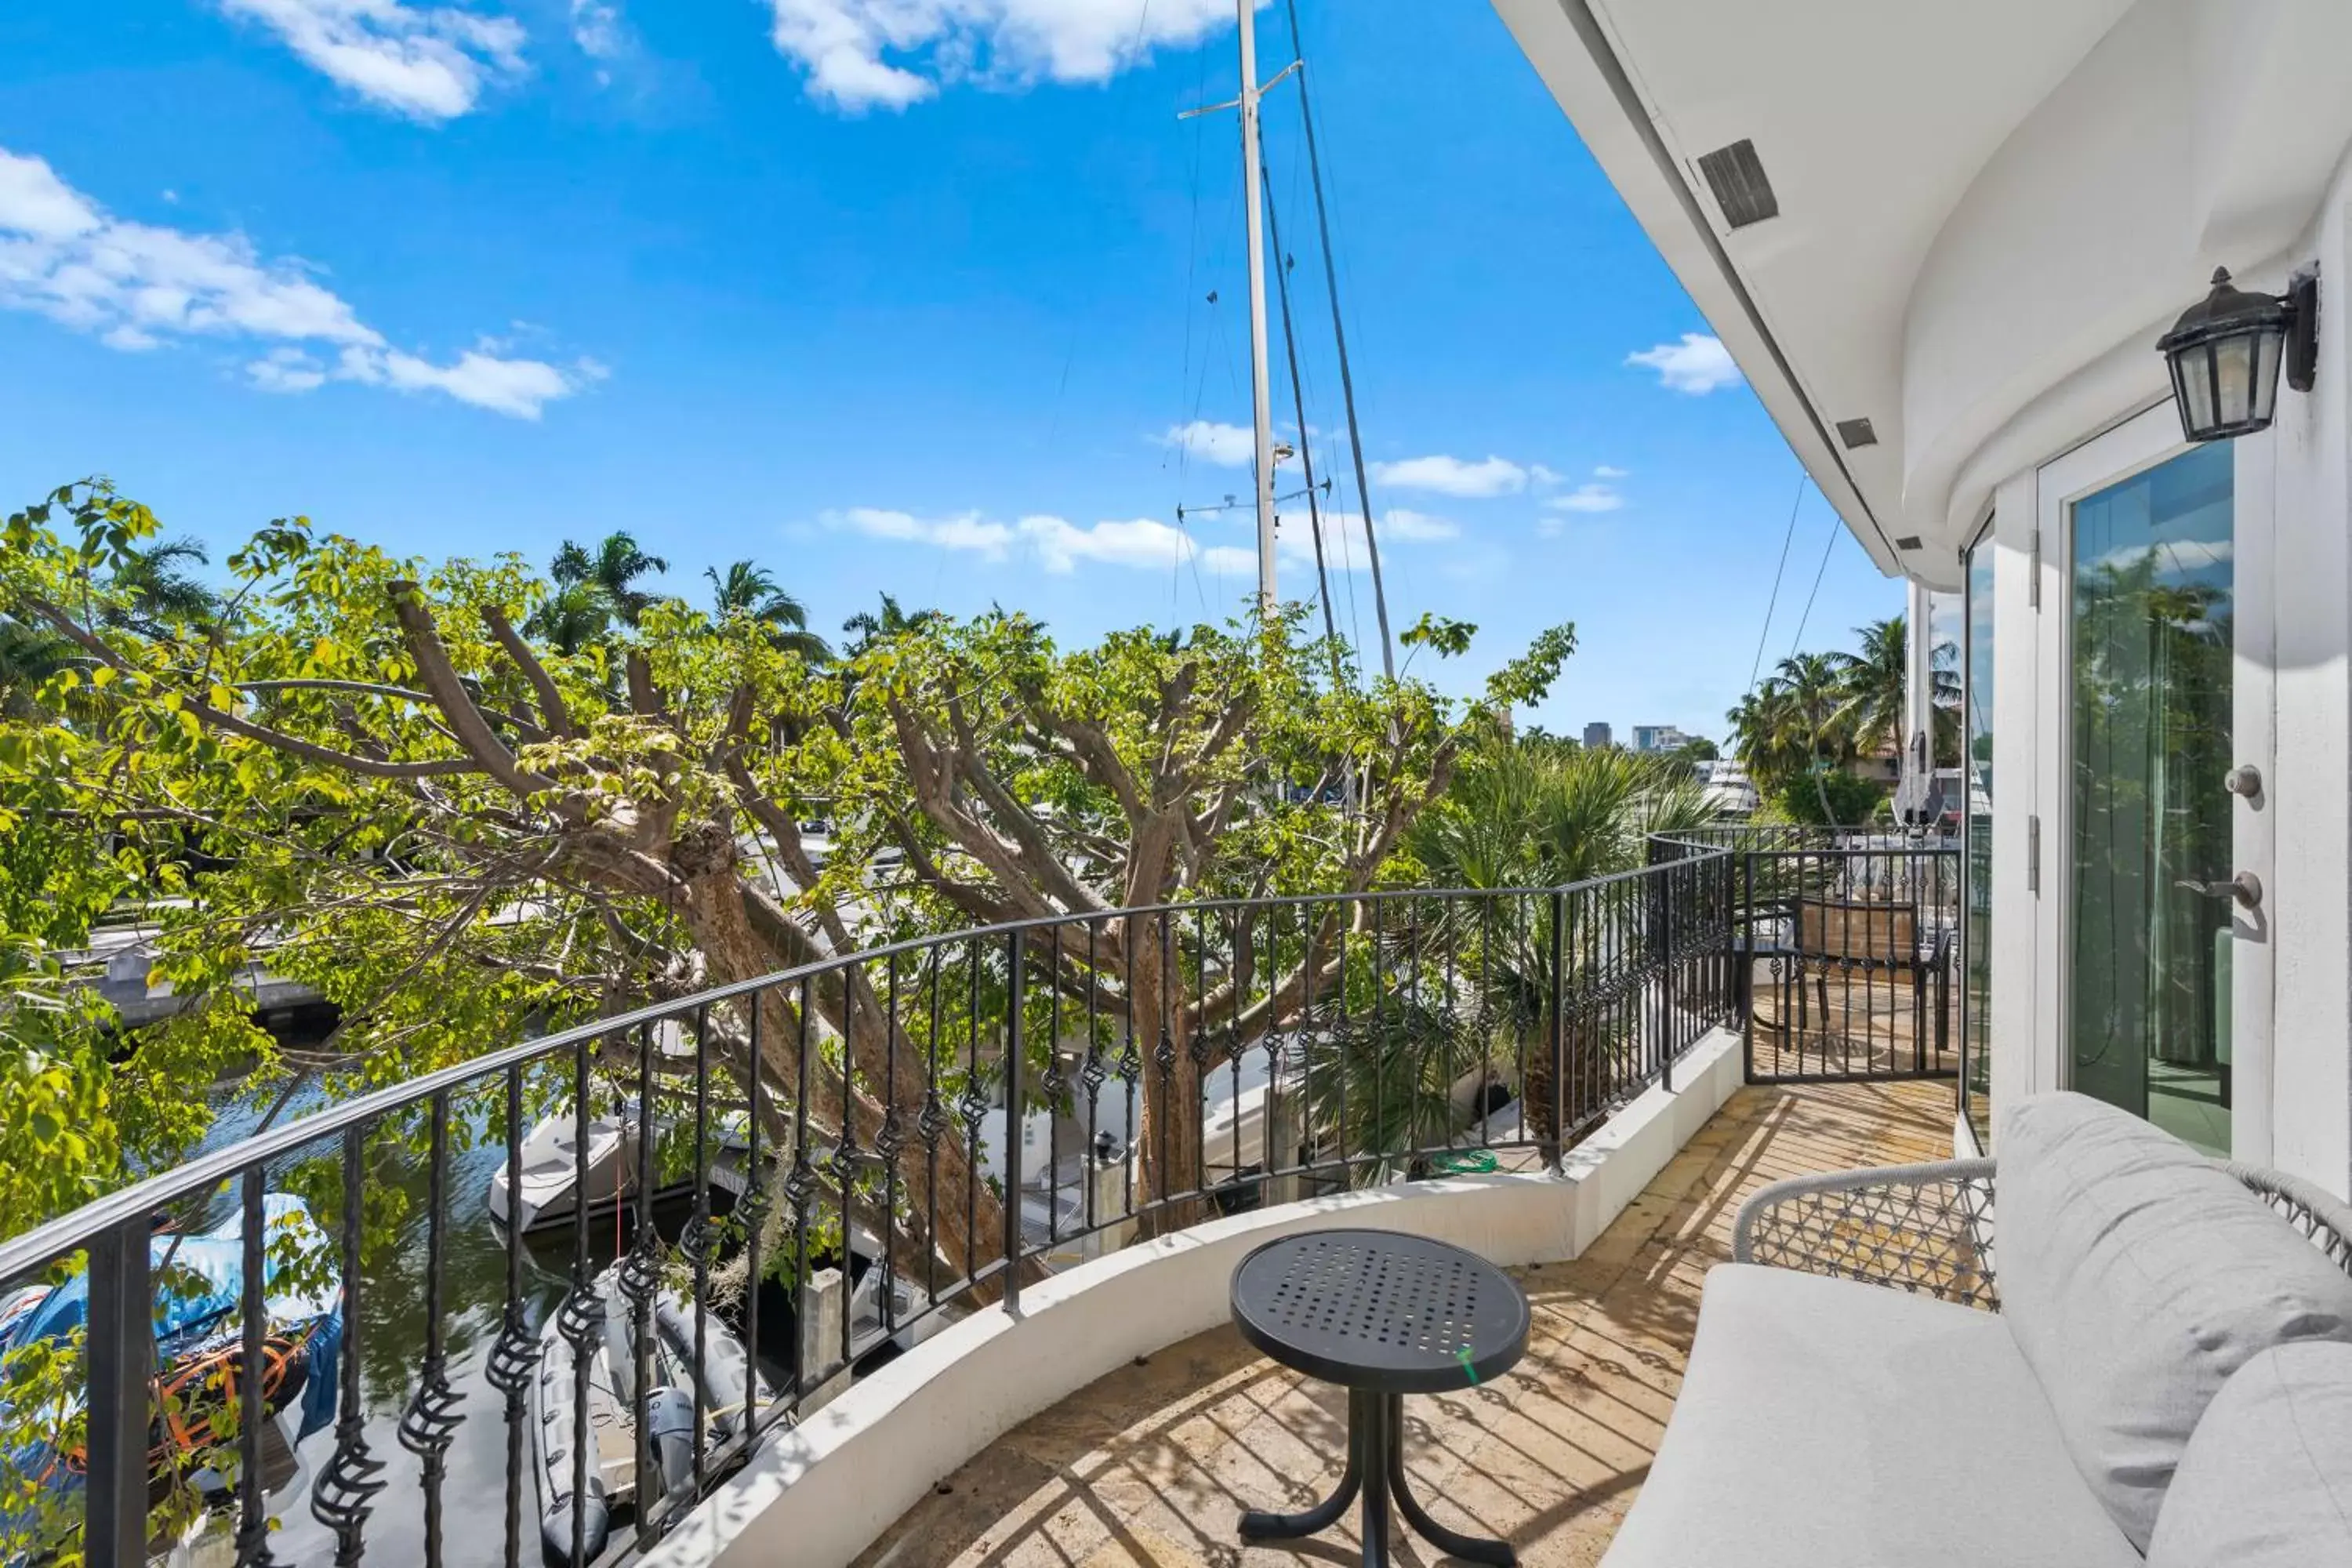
2266	1481
2137	1275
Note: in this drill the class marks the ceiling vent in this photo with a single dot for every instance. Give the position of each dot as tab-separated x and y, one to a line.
1856	433
1736	176
1908	542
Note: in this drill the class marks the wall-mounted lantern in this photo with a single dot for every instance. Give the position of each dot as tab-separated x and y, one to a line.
2226	350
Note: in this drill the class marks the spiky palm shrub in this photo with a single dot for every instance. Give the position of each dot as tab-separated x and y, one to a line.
1535	819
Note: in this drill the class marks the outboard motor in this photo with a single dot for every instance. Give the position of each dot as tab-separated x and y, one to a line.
670	1431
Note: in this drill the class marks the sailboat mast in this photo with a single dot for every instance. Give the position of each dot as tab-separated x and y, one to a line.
1261	396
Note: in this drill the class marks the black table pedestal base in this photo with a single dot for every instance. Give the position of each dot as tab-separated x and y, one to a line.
1376	1469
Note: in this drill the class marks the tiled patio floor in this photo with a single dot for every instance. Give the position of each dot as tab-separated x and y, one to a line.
1153	1464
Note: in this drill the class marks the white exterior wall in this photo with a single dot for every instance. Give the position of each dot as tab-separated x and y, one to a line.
2311	903
2292	1104
816	1495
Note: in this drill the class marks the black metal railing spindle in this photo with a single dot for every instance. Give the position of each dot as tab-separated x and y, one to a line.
640	1279
430	1423
253	1513
344	1494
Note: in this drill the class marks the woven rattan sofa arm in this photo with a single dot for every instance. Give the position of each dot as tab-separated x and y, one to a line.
1923	1229
2323	1219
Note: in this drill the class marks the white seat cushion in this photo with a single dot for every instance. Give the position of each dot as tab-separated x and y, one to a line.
2137	1275
2266	1480
1827	1424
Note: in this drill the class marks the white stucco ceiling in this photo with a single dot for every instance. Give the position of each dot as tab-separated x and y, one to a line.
1979	200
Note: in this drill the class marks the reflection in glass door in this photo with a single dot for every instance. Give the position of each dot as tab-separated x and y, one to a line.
2152	579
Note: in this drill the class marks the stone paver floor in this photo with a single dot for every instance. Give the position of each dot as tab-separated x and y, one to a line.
1153	1465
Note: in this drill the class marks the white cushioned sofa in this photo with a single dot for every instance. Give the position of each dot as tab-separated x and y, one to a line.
2158	1371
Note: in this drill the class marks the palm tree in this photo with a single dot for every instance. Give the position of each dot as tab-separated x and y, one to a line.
30	656
750	589
576	614
1768	738
1811	689
1873	683
613	566
870	628
150	593
153	592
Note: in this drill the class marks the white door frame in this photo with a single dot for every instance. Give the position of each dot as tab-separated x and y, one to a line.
2139	444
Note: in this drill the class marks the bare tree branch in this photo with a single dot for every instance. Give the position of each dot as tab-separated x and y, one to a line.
276	740
450	694
551	707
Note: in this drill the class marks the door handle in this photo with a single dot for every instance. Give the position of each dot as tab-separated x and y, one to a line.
2245	887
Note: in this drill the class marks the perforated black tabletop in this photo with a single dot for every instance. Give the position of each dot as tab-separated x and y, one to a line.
1382	1311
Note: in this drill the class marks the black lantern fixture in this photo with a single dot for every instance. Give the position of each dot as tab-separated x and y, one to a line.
2226	350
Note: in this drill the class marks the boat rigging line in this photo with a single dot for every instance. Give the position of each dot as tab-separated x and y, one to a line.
1837	527
1340	336
1757	667
1306	446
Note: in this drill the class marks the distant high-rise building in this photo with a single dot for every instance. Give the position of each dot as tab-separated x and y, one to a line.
1596	734
1658	737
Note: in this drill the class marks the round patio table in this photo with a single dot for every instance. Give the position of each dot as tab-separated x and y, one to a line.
1382	1315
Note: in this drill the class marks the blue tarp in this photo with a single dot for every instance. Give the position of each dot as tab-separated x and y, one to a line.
200	1287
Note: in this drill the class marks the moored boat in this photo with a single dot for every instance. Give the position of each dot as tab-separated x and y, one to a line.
581	1501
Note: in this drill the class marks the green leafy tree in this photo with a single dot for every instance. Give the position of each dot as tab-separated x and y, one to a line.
1021	780
373	771
1829	798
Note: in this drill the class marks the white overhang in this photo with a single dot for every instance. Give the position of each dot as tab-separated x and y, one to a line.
1987	211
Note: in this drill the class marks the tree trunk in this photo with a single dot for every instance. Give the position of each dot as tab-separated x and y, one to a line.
944	1209
1170	1136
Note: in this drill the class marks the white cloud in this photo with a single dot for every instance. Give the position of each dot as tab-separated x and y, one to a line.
888	54
1344	546
1542	475
287	370
35	202
966	532
1398	523
1605	472
428	62
138	285
517	386
1141	541
598	29
1059	545
1228	446
1454	476
1595	496
1698	365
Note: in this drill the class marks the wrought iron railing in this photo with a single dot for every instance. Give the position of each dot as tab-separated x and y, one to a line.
1848	943
774	1184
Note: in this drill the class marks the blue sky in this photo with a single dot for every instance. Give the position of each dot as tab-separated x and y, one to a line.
902	295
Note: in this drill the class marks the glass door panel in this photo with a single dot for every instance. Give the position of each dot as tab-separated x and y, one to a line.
1975	831
2152	577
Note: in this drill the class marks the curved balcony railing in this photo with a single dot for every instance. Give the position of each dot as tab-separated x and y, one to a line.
535	1306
